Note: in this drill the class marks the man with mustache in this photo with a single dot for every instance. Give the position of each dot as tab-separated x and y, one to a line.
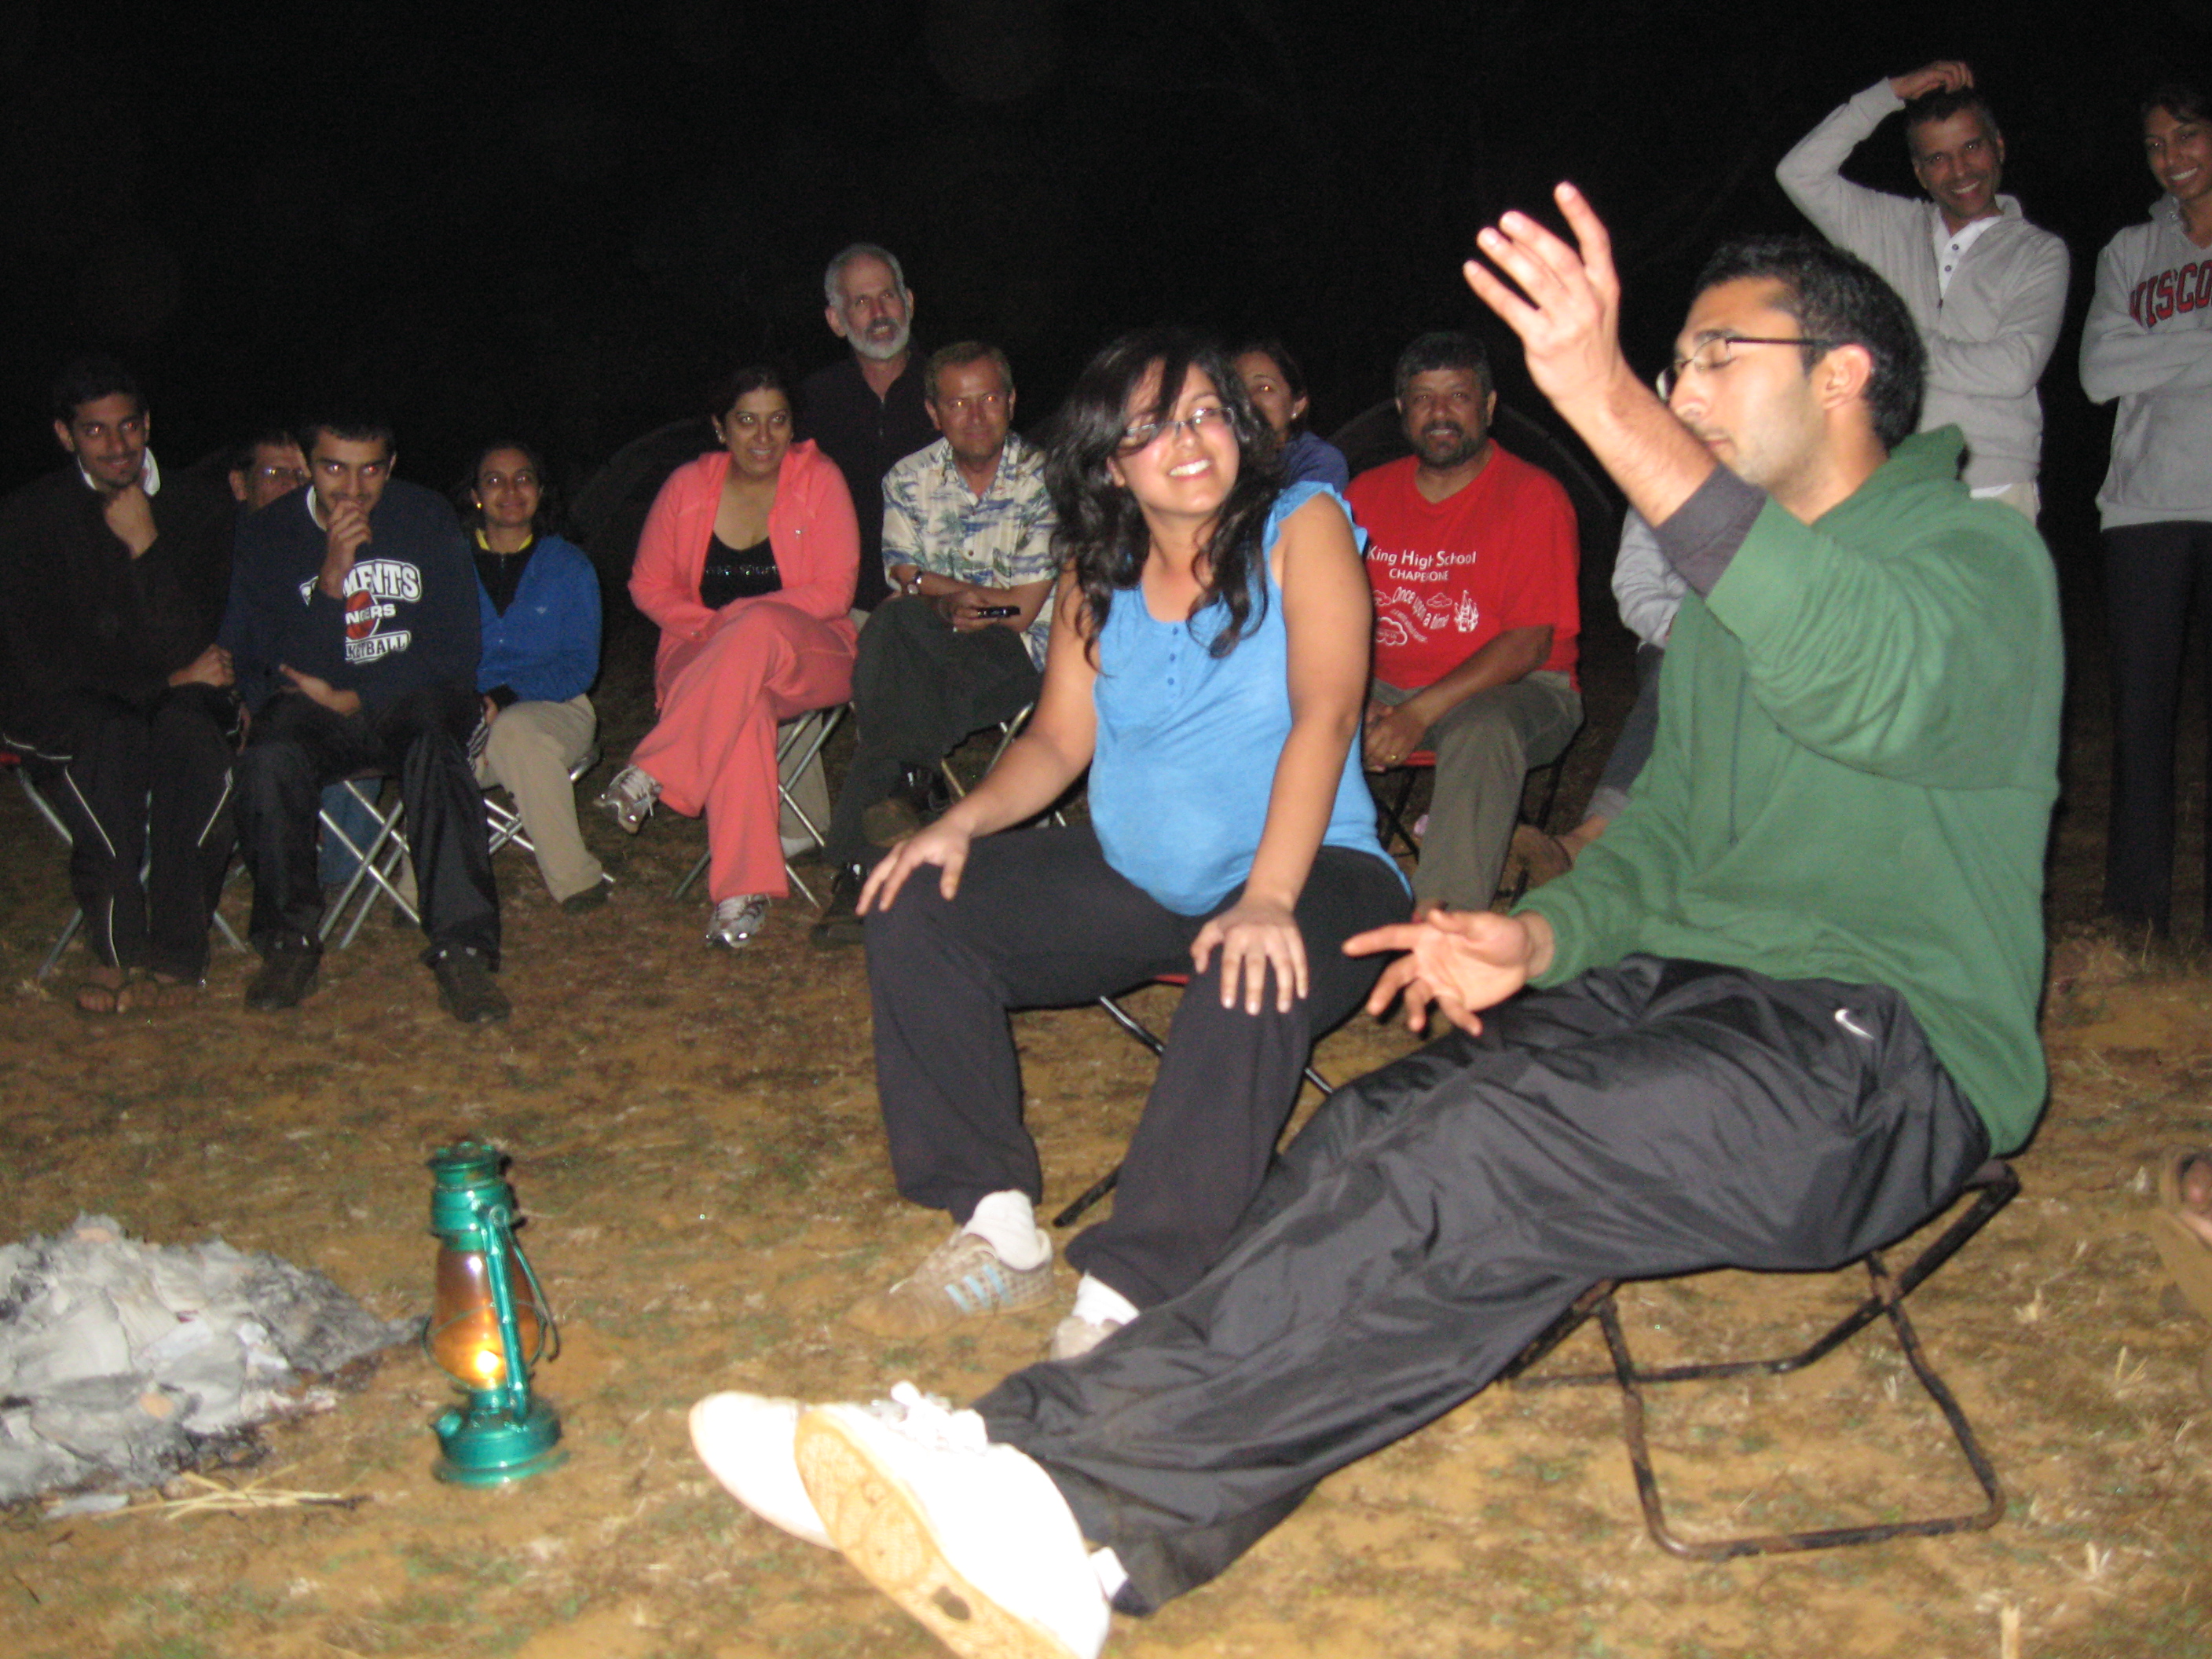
1985	288
1777	1017
1471	556
866	409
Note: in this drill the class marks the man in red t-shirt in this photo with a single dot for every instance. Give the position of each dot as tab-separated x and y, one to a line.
1472	556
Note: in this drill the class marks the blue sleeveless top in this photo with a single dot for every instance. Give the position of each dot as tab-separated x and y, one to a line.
1188	742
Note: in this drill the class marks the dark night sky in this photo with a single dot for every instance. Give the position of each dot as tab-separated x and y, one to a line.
486	221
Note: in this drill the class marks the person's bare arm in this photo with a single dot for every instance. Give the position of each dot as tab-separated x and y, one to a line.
1328	614
1566	309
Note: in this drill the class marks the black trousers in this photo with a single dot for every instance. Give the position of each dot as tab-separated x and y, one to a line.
298	747
919	686
1657	1117
143	788
2158	587
1041	921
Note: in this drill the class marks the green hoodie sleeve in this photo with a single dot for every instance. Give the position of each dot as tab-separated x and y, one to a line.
1892	653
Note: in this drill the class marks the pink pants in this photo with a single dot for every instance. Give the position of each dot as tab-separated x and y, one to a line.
713	750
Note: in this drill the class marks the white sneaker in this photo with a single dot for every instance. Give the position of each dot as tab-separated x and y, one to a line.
737	920
973	1539
746	1442
628	798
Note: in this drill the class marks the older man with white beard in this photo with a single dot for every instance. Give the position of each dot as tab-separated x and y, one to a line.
866	409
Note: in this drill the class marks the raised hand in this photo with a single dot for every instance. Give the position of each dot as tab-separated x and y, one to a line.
1944	75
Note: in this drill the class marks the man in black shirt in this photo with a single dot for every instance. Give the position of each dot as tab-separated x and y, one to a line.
114	692
866	410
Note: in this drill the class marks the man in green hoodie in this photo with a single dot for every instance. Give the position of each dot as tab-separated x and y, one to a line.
1776	1018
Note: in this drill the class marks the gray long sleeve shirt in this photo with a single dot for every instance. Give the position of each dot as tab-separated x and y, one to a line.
2148	341
1989	335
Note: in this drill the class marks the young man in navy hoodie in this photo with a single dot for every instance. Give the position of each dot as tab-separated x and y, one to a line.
353	625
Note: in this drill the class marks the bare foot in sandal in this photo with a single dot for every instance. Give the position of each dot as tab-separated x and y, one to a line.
162	991
101	990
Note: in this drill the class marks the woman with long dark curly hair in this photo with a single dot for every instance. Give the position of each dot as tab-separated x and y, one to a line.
1208	664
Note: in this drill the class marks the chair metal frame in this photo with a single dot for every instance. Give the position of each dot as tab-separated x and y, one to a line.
383	861
1994	1186
797	747
46	809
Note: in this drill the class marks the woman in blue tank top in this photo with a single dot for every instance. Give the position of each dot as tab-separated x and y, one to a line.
1208	665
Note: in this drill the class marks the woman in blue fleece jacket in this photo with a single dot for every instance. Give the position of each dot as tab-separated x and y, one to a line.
538	597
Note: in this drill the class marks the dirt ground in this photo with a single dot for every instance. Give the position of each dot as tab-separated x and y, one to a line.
695	1144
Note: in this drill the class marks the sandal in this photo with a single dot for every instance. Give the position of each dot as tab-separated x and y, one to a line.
98	997
2181	1227
159	991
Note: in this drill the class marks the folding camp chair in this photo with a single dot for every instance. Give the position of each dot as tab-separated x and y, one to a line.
1994	1186
798	746
14	762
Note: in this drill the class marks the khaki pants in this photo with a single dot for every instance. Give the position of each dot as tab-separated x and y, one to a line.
531	747
1484	750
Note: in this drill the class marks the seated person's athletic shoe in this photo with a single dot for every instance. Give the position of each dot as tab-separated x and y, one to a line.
737	920
628	799
745	1440
961	1278
841	922
287	975
972	1539
465	990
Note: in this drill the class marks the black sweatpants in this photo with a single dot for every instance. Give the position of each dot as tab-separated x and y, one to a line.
920	685
1041	921
143	788
298	747
1656	1117
2158	588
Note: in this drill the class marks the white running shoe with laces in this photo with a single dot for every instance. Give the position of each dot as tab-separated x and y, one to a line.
972	1539
737	920
628	798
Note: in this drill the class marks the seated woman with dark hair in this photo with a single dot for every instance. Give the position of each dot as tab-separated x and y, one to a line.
1277	387
538	601
1208	665
747	562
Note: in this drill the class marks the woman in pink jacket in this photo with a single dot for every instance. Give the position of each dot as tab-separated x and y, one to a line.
747	562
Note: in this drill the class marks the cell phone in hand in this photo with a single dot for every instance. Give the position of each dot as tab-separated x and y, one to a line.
996	610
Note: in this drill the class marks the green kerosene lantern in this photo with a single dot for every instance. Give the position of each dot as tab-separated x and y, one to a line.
489	1325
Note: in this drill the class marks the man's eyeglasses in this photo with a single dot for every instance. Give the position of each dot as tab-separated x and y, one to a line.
992	401
1147	433
1719	352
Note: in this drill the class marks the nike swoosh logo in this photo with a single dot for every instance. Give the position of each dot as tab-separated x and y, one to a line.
1843	1018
